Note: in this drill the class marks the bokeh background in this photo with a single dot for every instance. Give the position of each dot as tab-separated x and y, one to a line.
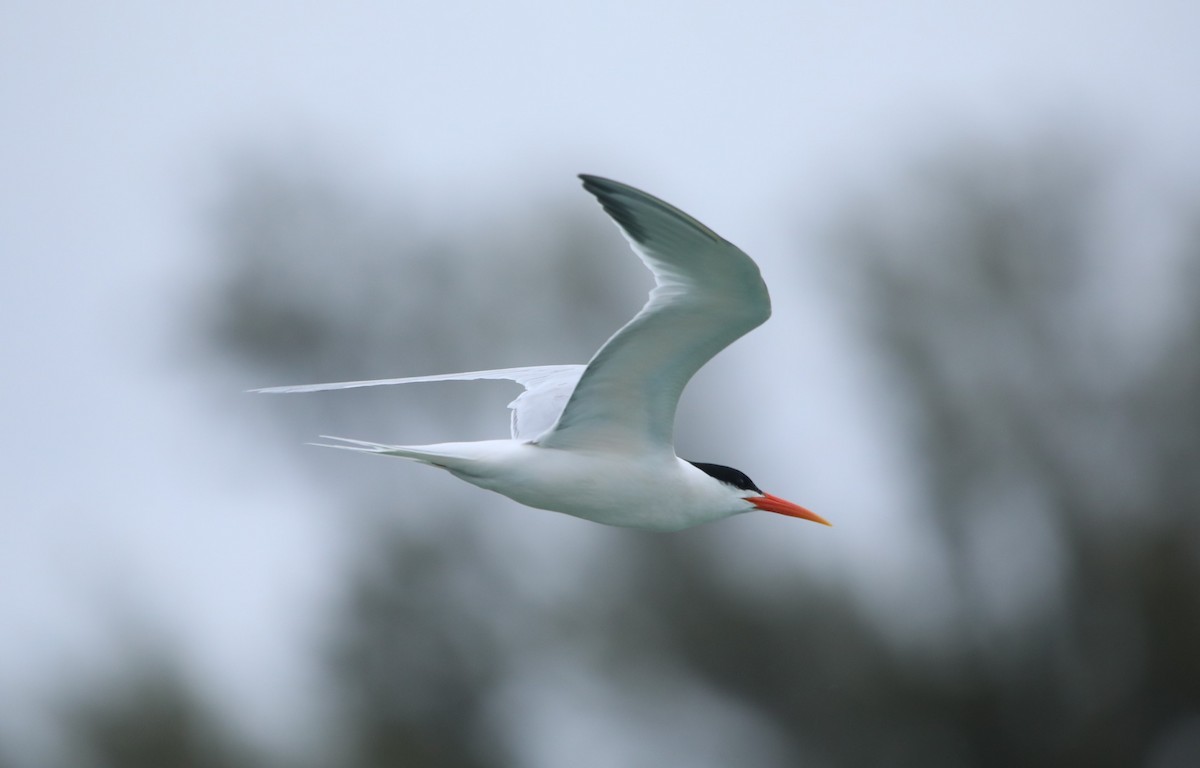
981	229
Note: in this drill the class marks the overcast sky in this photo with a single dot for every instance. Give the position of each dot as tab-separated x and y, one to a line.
121	119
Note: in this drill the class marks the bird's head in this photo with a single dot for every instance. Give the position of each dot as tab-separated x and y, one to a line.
745	489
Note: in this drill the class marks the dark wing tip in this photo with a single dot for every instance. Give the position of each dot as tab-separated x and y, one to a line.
620	201
610	194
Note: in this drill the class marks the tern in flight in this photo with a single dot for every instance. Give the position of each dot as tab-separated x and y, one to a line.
597	441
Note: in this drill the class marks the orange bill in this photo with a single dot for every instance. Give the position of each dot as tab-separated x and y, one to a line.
770	503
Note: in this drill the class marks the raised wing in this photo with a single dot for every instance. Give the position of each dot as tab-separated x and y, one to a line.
707	294
547	389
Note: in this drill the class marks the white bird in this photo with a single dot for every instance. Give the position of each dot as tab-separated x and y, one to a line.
597	441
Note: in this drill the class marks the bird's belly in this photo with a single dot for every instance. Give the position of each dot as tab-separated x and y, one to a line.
604	488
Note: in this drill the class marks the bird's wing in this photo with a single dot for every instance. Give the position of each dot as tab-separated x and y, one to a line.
547	389
707	294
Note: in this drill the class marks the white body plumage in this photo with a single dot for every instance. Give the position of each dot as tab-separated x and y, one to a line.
597	441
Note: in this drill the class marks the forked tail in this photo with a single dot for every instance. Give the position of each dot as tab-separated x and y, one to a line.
456	457
423	454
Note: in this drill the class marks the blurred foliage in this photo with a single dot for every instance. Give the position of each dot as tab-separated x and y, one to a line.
151	717
1059	452
1058	456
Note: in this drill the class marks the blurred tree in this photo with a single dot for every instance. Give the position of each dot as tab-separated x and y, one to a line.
1059	459
1059	454
151	717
